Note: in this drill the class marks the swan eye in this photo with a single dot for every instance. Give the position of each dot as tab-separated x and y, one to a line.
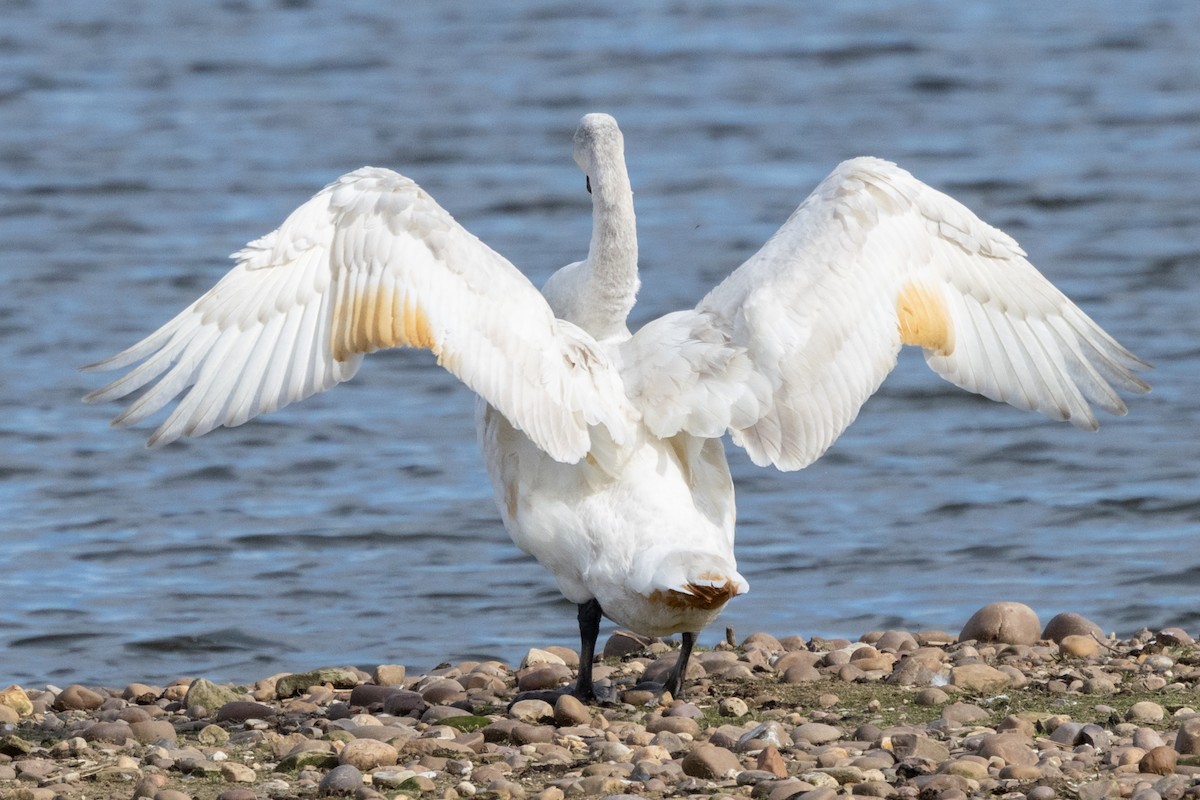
587	181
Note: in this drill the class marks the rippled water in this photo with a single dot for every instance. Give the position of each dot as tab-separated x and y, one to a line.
141	141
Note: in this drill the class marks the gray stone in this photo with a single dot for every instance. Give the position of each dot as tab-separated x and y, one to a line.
1145	711
203	692
1012	748
816	733
343	780
1187	741
337	677
153	730
907	745
111	732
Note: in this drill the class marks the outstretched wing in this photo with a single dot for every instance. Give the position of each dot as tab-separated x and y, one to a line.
370	262
786	350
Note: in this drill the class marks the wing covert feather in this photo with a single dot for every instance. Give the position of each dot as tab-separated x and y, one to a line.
370	262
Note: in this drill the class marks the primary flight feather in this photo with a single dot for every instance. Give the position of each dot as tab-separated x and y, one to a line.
604	448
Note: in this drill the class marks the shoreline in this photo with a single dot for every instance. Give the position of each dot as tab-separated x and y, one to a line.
895	714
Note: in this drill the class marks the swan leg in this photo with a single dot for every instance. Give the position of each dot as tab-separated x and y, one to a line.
674	682
589	630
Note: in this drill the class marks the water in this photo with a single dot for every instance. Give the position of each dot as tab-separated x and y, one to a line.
141	141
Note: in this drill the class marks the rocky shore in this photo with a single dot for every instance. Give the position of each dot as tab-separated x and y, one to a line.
1004	709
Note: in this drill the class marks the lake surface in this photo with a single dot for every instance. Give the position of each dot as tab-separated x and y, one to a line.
141	141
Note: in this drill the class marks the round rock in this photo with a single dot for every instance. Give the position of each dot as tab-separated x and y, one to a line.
1145	711
343	780
1061	626
570	710
1078	645
1159	761
78	698
710	762
367	754
1003	622
1187	741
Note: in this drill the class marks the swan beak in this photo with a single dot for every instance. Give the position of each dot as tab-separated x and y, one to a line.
587	181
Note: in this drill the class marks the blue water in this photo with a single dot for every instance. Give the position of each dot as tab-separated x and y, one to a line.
142	141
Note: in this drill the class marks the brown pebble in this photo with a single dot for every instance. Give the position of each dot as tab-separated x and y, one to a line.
78	698
523	733
979	678
1159	761
769	760
1070	624
624	643
367	754
388	675
1005	622
1079	646
711	763
544	676
570	710
1012	748
443	692
931	696
242	710
674	725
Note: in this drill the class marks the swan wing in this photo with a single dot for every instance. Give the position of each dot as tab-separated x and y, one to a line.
370	262
786	350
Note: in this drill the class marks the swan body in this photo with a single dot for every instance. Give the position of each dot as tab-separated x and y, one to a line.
604	447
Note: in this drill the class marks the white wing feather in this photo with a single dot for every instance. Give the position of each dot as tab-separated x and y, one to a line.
370	262
787	349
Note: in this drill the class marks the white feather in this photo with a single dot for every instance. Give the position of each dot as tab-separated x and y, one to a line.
604	448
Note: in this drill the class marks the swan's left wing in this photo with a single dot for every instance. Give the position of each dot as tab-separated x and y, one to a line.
786	350
371	262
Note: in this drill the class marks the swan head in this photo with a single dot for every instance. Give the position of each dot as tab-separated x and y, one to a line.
598	142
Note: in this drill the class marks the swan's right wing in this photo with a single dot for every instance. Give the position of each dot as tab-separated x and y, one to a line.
370	262
785	351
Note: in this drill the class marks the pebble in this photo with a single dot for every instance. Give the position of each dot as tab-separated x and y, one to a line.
712	762
1069	623
1187	742
78	698
1159	761
341	780
344	732
979	678
1079	646
1005	622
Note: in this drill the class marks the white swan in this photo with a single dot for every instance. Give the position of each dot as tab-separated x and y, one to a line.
604	449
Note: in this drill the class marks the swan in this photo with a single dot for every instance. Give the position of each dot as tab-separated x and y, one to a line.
604	447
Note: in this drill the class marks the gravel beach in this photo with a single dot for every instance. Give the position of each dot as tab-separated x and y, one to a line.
1006	708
